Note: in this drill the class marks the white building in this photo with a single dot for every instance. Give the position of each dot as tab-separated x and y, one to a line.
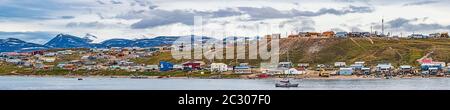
340	64
219	67
293	71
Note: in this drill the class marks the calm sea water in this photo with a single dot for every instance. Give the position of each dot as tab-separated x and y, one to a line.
60	83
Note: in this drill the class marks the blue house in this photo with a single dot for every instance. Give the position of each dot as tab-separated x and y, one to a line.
345	71
165	66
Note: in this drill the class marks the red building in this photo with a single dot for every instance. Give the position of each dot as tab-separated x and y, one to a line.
192	66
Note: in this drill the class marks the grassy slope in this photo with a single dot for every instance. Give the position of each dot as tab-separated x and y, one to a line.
395	51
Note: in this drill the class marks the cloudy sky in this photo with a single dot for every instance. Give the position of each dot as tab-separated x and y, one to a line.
40	20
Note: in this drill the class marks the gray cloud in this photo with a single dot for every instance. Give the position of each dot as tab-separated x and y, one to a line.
142	3
115	2
410	25
95	24
67	17
159	17
268	12
421	3
300	24
101	2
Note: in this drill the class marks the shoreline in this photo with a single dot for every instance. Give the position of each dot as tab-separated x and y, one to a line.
353	77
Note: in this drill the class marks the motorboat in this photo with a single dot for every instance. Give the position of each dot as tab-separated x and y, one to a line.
286	83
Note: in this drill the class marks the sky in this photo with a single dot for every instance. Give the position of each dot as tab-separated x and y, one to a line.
38	21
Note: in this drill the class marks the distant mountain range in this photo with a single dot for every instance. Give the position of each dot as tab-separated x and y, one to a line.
13	44
70	41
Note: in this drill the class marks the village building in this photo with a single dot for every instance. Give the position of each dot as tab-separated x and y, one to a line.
242	69
303	65
313	34
285	65
219	67
406	69
340	64
294	71
165	66
384	68
328	34
431	68
48	59
345	71
365	71
341	34
193	65
358	65
418	36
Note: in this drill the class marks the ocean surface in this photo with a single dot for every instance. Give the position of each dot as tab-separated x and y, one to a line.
94	83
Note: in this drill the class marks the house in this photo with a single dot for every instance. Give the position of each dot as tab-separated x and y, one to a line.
165	66
39	52
406	69
418	36
340	64
192	65
303	65
242	69
328	34
69	67
358	65
219	67
48	59
432	68
426	66
294	71
345	71
341	34
285	65
384	68
50	54
313	34
365	71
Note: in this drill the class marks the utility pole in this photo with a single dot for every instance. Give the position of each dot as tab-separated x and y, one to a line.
382	26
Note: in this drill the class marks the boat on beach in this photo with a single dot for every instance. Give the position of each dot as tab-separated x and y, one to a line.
286	83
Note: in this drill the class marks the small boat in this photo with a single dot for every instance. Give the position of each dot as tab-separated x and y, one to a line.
79	79
286	83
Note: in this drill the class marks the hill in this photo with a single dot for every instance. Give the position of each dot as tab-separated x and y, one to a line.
330	50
